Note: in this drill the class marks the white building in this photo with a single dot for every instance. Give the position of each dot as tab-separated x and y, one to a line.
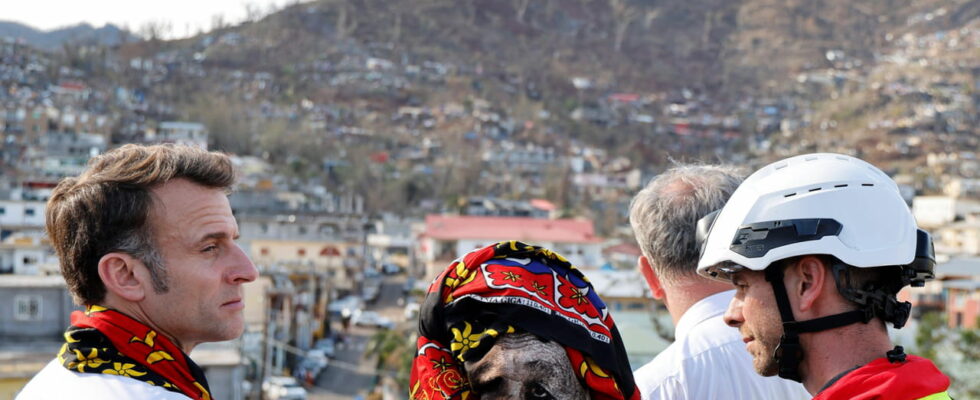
188	133
933	211
20	214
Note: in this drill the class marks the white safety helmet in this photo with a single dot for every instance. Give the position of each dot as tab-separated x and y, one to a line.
820	204
810	204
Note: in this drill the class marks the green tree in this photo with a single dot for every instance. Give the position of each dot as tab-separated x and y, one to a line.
930	334
395	351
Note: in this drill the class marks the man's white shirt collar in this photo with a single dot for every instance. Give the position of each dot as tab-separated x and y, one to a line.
704	309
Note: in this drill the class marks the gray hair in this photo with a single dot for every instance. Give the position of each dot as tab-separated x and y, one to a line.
140	245
665	213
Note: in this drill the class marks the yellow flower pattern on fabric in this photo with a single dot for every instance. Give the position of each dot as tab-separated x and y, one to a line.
69	338
463	276
61	353
466	339
539	288
441	364
90	360
590	365
123	369
148	340
94	309
579	296
204	392
157	356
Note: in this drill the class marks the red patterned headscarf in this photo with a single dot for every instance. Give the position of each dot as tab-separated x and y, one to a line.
507	287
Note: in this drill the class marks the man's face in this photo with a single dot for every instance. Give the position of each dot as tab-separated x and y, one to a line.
195	233
754	312
523	367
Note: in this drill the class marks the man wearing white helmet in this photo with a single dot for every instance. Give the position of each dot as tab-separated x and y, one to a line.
817	247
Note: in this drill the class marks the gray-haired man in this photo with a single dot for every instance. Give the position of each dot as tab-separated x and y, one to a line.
707	359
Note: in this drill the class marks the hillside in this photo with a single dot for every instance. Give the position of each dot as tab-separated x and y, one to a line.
52	40
640	45
418	99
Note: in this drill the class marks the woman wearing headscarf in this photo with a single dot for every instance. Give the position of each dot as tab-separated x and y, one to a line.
519	322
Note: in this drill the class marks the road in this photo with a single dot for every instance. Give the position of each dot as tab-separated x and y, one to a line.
351	373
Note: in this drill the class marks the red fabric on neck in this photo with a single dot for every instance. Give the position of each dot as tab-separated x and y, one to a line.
145	346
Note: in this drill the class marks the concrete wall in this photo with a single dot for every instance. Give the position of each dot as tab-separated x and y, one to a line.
55	307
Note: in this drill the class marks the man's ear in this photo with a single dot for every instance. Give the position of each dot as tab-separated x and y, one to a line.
812	277
653	281
120	276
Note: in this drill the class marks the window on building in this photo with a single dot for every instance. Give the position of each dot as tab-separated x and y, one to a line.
3	211
959	320
327	230
29	211
301	251
30	260
27	307
264	251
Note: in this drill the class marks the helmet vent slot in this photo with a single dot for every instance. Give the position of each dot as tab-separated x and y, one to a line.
815	189
844	185
781	165
867	184
789	195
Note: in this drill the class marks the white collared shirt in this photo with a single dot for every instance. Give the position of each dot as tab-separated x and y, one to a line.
708	361
56	382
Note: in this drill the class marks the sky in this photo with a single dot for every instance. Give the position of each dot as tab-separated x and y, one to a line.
184	16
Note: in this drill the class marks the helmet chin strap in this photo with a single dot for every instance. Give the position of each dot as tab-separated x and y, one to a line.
789	353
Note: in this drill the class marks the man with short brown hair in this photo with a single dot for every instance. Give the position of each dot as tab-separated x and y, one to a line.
146	241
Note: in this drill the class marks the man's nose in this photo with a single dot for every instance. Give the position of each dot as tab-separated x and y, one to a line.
733	315
244	269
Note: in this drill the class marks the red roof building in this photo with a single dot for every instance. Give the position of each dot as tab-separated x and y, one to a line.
447	237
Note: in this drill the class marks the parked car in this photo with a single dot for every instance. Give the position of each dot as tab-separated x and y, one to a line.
371	273
371	318
371	291
282	388
313	363
327	345
345	306
390	269
317	356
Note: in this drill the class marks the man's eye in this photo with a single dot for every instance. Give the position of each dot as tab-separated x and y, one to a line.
209	249
535	391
